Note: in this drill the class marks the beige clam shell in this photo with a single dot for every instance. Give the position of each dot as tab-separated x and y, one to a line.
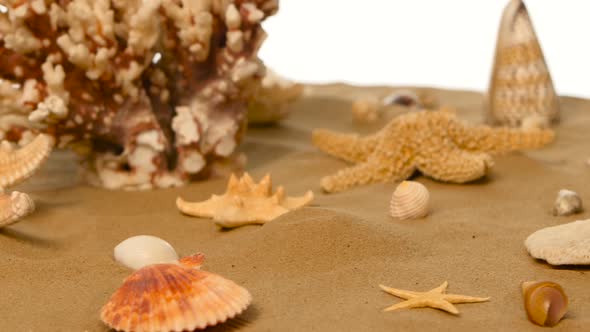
411	200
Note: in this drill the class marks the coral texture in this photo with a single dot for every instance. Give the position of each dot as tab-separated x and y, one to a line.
152	93
521	85
245	202
436	143
567	244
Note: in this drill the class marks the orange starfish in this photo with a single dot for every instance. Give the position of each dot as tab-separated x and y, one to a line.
436	143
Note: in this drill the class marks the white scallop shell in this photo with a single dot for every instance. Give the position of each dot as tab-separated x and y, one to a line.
143	250
411	200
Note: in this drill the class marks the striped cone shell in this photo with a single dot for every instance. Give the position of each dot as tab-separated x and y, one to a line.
411	200
521	86
172	297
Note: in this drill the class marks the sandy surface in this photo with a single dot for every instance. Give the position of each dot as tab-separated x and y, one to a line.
317	269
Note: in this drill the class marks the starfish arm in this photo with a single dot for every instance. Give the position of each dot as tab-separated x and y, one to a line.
404	294
454	165
349	147
20	164
442	305
498	140
440	289
367	173
452	298
412	303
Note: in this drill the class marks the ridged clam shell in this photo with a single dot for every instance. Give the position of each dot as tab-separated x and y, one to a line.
172	297
143	250
545	302
14	207
411	200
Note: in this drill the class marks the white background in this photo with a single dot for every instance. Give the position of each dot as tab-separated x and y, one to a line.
445	43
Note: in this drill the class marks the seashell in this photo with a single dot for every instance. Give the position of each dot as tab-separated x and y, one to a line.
173	297
545	302
411	200
567	203
143	250
521	84
270	104
366	110
567	244
407	98
14	207
534	122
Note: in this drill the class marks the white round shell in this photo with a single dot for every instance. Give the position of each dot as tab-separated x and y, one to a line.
411	200
139	251
567	203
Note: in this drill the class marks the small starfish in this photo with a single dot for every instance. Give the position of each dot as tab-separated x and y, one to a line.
435	298
434	142
15	167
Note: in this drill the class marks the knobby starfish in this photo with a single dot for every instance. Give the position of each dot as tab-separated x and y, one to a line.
17	165
245	202
435	298
435	143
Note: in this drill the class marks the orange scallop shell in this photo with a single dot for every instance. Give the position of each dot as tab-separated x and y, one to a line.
171	297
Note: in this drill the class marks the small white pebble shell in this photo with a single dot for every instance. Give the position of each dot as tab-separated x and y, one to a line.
567	203
406	98
139	251
411	200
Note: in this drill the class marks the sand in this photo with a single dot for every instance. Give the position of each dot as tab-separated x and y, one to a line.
317	269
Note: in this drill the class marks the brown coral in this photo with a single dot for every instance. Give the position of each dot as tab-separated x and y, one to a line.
156	90
436	143
521	86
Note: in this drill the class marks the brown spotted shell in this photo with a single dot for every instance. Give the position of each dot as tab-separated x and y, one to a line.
172	297
411	200
545	302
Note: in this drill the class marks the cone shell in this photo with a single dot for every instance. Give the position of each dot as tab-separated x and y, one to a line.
521	84
411	200
14	207
171	297
545	302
